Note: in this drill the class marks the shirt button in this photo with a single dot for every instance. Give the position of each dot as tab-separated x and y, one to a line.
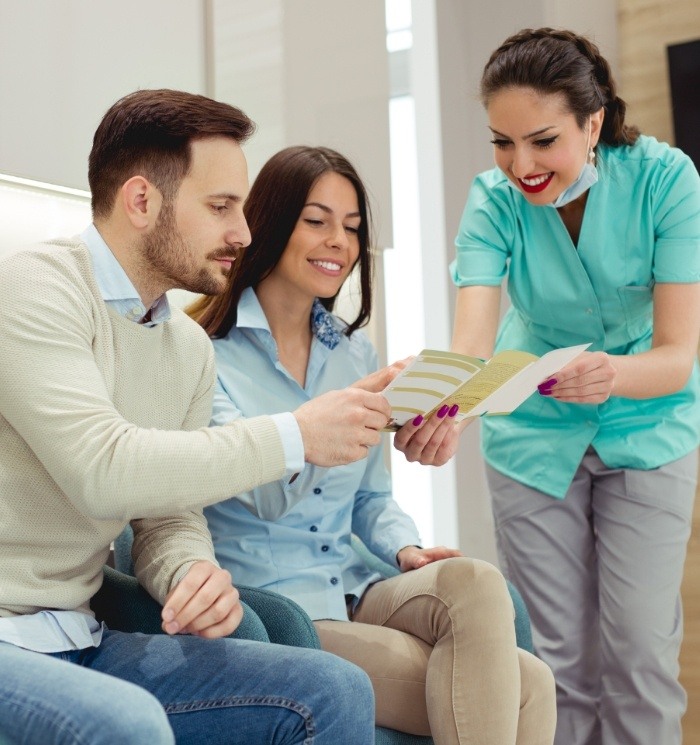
313	528
324	548
589	311
334	580
317	490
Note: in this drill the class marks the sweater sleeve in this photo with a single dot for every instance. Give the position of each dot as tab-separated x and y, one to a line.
164	549
54	396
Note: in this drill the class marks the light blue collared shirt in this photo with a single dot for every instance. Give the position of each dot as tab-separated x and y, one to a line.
304	553
116	288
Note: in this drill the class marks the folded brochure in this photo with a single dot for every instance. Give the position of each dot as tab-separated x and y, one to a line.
479	387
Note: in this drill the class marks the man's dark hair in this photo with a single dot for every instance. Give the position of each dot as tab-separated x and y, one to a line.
148	133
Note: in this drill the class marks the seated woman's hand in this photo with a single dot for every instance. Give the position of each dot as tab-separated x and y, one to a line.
433	441
413	557
589	379
377	381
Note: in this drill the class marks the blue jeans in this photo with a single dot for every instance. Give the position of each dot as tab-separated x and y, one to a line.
137	688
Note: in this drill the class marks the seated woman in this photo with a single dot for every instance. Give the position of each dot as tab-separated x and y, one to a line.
437	640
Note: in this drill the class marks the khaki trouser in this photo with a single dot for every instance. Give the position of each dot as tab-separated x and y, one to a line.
439	646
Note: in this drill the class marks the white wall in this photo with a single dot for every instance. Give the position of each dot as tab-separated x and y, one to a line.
30	215
312	72
64	62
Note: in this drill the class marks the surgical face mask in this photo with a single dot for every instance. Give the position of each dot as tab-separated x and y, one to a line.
586	179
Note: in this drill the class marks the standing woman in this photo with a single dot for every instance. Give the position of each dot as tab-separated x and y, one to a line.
437	640
593	481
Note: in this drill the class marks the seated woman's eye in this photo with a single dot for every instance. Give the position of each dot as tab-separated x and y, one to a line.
313	221
352	229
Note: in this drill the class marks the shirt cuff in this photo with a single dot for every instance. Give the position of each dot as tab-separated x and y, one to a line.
292	444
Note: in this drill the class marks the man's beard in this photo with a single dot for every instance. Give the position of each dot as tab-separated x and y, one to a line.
169	255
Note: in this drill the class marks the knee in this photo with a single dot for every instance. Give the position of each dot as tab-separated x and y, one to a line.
346	684
641	644
146	721
471	582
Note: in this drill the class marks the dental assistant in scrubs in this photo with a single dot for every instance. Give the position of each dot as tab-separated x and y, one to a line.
597	230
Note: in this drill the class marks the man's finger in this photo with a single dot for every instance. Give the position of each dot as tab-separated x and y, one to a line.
215	613
182	593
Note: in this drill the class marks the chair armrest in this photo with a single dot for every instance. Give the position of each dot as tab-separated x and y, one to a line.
523	630
124	605
384	736
284	620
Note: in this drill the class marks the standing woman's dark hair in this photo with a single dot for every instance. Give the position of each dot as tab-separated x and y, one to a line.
551	61
272	209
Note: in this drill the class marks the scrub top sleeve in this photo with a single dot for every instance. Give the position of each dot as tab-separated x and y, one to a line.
484	237
677	223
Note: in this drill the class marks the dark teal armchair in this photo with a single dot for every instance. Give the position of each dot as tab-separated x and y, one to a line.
269	617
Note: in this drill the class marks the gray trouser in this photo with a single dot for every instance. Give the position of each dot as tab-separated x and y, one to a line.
601	572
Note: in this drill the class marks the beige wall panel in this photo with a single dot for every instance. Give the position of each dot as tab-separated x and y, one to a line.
646	27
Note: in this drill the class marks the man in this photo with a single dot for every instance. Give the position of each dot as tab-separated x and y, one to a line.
105	398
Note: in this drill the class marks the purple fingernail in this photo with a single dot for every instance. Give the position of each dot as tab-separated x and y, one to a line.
418	420
546	385
545	392
454	409
443	410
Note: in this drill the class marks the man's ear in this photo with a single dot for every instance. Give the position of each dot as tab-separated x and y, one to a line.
141	202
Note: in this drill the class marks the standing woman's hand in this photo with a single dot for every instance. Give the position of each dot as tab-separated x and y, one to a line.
589	379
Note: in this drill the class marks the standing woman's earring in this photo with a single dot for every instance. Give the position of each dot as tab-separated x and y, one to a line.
591	156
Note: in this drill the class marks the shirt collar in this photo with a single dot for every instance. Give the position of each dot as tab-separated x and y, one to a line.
252	316
115	286
323	326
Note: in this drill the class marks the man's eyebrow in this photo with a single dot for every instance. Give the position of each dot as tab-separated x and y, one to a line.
226	195
536	133
328	210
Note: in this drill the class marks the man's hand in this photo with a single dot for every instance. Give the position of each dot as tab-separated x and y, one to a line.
412	557
377	381
589	379
431	442
339	427
204	603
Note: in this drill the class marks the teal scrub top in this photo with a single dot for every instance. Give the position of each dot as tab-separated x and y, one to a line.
641	225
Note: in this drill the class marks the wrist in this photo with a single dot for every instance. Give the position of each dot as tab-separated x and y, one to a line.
404	548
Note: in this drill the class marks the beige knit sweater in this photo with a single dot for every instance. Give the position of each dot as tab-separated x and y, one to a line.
102	421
